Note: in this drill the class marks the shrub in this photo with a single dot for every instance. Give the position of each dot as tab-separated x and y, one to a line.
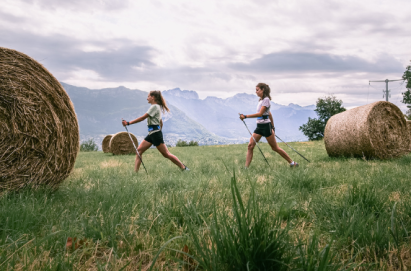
88	145
182	143
193	143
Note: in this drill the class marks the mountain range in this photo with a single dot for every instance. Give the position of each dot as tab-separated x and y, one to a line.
209	121
220	116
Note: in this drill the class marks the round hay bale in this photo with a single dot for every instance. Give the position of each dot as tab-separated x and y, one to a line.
120	143
376	130
106	143
39	132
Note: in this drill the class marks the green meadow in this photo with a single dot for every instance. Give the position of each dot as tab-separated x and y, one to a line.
330	214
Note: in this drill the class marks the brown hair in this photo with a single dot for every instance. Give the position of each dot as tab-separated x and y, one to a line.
159	100
266	90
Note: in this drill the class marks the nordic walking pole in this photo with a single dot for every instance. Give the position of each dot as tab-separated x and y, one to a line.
136	149
293	149
255	141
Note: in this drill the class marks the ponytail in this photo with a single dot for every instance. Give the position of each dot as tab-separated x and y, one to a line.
266	90
159	100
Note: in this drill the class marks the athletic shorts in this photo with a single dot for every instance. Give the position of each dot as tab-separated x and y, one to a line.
264	129
155	138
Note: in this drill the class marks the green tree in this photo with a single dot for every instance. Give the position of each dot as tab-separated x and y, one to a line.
88	145
406	96
313	129
326	108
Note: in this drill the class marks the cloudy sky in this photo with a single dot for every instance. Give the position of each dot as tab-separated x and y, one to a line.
302	49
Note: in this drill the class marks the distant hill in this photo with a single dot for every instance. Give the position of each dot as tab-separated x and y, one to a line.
220	116
209	121
100	111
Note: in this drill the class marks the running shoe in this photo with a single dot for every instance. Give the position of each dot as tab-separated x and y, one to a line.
294	164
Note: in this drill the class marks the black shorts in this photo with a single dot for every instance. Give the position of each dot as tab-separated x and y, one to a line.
264	129
155	138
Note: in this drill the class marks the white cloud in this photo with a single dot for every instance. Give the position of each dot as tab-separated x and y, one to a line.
79	5
301	48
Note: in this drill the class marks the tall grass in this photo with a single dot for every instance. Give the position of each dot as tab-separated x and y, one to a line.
330	214
246	238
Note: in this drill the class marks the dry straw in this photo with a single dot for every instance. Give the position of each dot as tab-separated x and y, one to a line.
106	143
39	132
120	143
376	130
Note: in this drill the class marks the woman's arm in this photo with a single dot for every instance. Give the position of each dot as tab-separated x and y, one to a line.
271	118
256	115
161	124
139	119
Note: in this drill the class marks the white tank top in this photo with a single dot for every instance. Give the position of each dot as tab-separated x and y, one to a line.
264	102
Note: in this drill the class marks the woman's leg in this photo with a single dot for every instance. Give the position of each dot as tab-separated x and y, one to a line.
251	146
274	146
162	148
144	145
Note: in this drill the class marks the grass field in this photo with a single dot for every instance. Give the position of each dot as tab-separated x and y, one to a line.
330	214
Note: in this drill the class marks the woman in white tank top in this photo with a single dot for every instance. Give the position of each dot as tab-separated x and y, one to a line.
265	125
155	126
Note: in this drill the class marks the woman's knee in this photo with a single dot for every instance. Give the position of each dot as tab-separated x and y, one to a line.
251	146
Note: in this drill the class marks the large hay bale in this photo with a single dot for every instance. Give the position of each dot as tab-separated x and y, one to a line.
39	132
120	143
376	130
105	145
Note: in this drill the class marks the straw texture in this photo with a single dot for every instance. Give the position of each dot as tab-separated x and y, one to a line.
39	132
120	144
106	143
376	130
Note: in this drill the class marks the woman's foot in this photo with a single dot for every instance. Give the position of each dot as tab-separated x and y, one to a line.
294	164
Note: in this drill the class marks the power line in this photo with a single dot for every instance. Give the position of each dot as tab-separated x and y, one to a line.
368	93
387	91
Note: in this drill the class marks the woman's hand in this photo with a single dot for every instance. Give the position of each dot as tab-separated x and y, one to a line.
256	115
137	120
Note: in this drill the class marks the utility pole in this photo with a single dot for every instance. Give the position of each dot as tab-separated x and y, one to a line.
387	91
